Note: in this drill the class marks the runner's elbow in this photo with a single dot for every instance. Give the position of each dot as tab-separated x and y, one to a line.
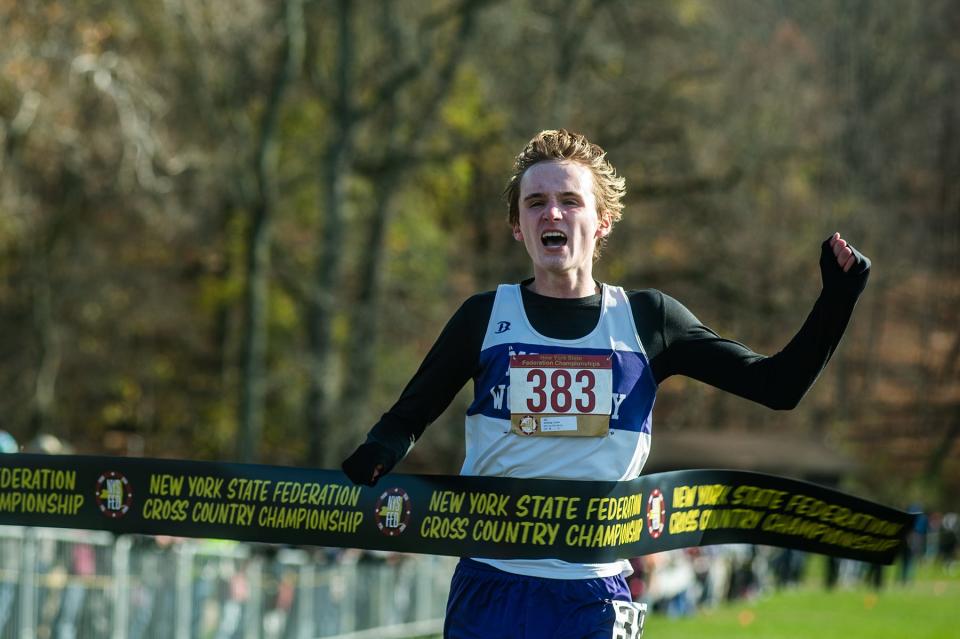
784	401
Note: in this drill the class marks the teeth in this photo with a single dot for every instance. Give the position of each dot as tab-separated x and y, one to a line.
553	238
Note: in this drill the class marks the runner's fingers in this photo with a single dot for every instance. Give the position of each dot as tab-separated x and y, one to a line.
844	255
850	262
839	246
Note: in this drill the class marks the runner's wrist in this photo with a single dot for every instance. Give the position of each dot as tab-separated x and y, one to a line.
370	461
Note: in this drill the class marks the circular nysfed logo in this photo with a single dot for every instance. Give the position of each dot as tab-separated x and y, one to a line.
392	512
528	424
656	513
114	494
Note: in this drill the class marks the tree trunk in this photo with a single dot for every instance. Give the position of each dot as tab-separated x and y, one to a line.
365	313
48	348
256	294
322	434
949	199
361	365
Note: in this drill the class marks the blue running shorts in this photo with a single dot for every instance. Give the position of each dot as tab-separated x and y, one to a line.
487	603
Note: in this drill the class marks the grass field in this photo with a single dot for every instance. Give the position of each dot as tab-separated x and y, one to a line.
928	608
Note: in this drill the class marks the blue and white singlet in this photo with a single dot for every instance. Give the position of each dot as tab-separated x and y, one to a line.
496	447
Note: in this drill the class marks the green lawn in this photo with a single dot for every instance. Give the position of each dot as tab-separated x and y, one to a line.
929	608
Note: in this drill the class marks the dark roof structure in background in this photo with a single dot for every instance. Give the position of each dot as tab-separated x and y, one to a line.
803	457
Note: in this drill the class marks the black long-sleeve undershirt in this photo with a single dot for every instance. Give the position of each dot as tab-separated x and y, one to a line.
675	341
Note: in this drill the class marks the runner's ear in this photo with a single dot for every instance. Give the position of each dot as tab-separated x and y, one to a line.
603	228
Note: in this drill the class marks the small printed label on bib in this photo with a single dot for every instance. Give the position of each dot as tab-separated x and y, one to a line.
558	424
561	395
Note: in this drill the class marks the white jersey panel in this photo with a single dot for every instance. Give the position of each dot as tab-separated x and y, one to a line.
492	449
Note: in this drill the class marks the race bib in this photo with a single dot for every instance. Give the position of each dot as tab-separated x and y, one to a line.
561	395
629	619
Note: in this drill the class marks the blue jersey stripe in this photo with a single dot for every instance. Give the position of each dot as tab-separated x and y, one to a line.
631	377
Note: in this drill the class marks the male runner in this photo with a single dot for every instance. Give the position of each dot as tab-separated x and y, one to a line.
565	371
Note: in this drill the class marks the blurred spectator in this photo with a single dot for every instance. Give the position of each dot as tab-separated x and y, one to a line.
637	582
947	542
744	580
832	574
83	569
47	444
718	574
238	596
788	566
673	583
874	575
9	557
7	443
915	544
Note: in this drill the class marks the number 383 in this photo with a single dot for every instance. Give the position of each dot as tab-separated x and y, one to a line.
561	390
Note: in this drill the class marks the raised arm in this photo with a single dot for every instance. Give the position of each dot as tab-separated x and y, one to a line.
781	380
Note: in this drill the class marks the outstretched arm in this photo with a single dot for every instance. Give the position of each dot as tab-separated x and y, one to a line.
781	380
450	363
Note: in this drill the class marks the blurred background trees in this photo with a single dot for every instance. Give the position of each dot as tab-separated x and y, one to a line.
232	230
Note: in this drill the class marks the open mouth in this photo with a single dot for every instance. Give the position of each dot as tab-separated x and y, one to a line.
552	239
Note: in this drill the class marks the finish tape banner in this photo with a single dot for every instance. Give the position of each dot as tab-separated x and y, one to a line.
496	517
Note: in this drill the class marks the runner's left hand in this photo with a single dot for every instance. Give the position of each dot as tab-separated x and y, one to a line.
843	252
842	267
368	463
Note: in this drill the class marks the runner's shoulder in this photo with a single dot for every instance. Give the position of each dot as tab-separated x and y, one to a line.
648	300
660	319
478	303
652	301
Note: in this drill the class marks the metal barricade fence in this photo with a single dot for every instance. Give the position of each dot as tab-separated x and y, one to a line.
55	583
75	584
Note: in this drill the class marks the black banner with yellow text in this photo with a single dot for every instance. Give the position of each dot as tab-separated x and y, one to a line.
445	515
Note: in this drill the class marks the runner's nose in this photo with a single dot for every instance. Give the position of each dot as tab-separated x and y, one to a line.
553	212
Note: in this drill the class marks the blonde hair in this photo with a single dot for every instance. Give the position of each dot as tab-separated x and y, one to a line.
559	145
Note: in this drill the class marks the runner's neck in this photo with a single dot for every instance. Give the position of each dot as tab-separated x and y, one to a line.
564	288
